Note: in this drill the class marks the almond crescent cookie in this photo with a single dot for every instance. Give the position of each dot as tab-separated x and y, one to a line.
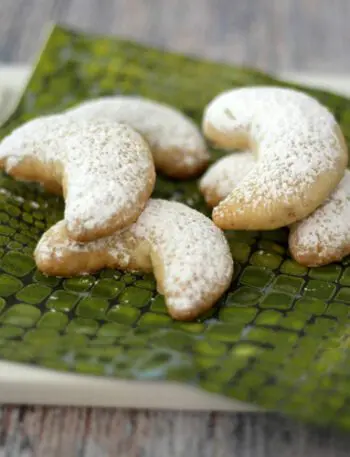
187	253
105	170
178	148
300	154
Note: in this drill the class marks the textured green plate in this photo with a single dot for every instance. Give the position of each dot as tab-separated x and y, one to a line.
279	338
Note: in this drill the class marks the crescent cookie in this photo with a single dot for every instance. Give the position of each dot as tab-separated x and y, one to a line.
105	170
324	236
177	145
224	175
187	253
300	150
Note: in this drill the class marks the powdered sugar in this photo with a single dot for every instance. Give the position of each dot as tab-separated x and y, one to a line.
55	245
165	129
324	236
190	256
296	139
106	167
194	253
225	174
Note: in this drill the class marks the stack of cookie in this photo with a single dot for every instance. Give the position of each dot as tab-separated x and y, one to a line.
103	156
290	170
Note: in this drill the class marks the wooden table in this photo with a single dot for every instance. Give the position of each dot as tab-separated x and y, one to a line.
275	35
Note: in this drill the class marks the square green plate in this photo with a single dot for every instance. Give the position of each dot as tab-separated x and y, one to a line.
279	338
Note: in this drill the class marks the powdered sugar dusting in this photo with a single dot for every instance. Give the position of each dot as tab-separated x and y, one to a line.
164	128
194	253
295	137
324	236
225	174
106	166
55	245
190	256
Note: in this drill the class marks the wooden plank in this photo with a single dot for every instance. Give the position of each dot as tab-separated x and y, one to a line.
269	34
85	432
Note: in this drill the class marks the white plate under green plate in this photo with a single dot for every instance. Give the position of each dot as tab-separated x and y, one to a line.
30	385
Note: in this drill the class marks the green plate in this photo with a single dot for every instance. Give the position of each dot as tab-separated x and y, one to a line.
279	338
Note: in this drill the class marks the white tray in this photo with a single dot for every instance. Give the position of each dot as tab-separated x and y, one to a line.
30	385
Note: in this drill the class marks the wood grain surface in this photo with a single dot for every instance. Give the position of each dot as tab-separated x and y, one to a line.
310	35
275	35
84	432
